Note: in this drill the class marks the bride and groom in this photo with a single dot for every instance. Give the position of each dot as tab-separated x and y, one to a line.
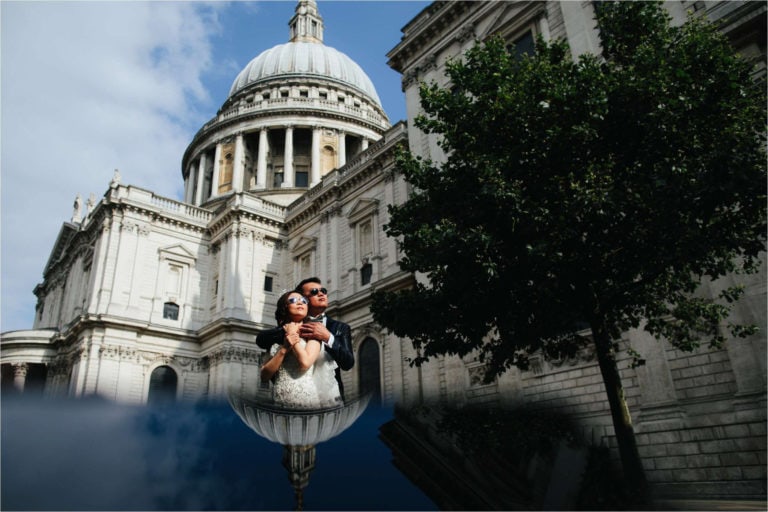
307	350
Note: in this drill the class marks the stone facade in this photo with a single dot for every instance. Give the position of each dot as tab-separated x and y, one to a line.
140	282
700	417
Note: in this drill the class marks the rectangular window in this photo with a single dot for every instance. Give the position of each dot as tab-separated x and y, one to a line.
305	265
366	272
523	45
278	177
267	283
302	178
366	239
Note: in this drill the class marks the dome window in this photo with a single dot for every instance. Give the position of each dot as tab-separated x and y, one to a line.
277	177
302	177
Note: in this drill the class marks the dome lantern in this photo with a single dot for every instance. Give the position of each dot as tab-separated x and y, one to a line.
307	24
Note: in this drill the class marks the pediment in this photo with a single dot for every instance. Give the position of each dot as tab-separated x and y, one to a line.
60	247
361	209
304	244
177	252
512	17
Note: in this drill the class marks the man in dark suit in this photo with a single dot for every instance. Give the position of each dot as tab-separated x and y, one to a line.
335	335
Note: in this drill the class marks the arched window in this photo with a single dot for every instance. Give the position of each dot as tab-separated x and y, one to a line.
171	311
162	386
369	368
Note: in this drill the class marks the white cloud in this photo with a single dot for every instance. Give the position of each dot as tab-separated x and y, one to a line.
88	87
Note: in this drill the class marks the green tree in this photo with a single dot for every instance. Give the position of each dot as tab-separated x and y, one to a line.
597	192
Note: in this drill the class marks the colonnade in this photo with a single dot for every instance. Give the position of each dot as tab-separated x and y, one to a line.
194	184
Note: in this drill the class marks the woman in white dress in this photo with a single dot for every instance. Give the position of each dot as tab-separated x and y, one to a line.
303	373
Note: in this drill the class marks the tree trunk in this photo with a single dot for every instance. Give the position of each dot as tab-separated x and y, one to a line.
622	421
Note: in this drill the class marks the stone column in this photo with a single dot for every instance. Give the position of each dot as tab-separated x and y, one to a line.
200	180
19	376
314	178
288	173
365	144
216	169
188	183
261	164
544	27
239	164
342	148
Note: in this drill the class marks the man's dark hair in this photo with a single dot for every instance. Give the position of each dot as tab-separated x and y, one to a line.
300	286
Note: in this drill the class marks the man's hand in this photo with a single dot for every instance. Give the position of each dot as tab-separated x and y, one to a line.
314	331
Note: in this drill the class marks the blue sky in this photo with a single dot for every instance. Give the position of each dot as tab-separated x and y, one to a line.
89	87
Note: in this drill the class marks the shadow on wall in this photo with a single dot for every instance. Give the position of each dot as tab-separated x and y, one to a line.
499	459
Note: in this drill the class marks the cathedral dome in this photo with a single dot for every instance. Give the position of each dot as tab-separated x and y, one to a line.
305	59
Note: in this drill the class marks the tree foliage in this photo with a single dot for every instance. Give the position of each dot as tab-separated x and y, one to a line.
597	192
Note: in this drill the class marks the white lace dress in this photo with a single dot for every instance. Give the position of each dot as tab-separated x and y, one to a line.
315	388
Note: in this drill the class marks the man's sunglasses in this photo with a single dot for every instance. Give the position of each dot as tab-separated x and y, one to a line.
294	300
315	291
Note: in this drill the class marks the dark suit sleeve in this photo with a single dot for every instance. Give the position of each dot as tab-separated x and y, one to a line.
341	351
268	337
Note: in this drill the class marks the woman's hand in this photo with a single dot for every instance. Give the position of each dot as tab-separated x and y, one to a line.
291	340
291	334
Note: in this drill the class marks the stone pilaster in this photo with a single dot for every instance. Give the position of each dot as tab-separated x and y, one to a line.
288	171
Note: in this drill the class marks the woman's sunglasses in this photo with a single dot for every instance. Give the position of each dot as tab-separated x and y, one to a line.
294	300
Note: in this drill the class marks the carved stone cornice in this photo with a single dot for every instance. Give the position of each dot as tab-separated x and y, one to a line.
466	33
242	232
329	213
190	364
59	367
409	78
234	354
130	226
118	353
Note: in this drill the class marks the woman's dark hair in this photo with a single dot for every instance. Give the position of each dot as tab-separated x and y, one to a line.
281	311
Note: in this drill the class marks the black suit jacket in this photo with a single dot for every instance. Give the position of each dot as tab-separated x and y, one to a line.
341	351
